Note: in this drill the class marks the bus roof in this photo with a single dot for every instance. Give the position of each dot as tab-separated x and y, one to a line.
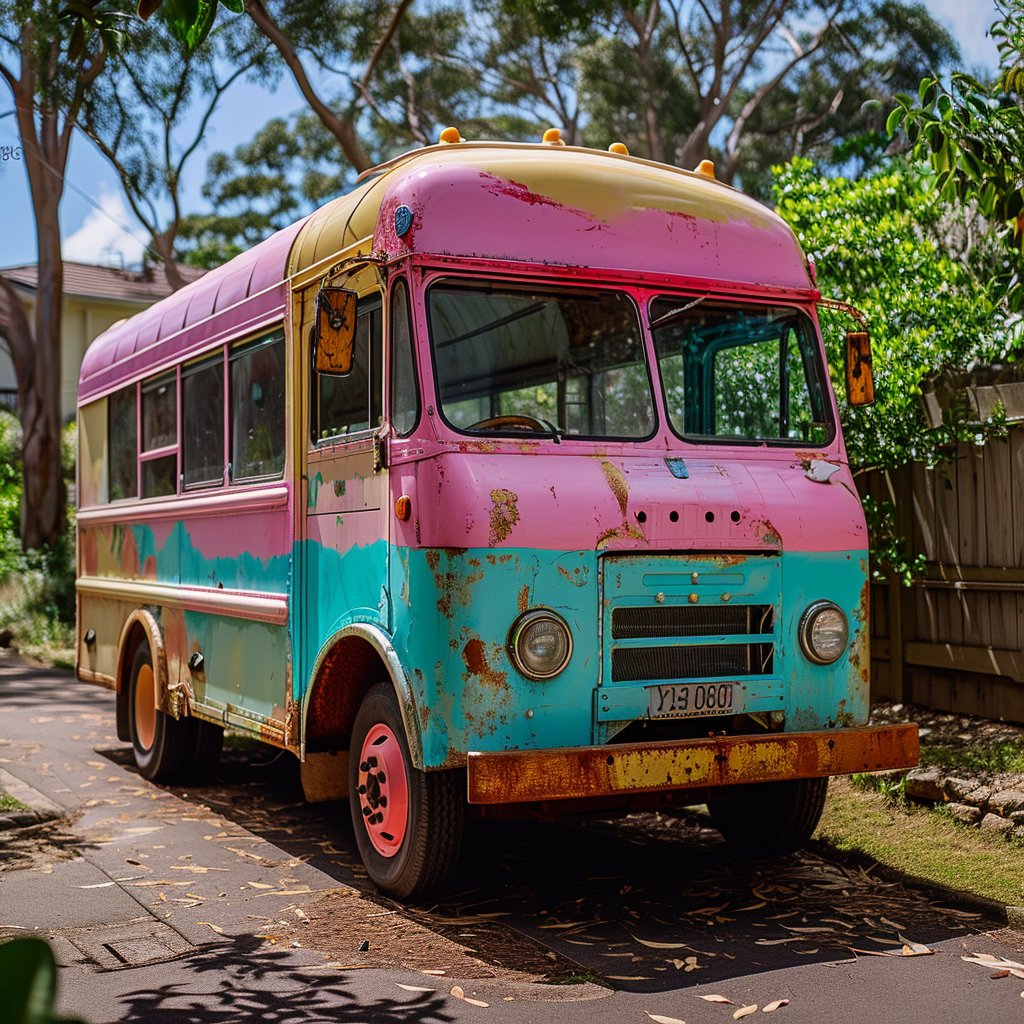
524	203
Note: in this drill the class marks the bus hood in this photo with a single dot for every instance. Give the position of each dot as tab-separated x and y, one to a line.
800	501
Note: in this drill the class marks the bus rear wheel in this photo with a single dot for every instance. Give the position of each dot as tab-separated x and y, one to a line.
167	749
408	823
769	819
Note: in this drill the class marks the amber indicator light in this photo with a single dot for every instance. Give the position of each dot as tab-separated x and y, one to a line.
403	508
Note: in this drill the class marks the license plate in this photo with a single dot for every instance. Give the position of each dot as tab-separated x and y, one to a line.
688	700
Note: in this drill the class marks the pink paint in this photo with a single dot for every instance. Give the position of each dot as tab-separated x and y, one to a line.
463	210
591	499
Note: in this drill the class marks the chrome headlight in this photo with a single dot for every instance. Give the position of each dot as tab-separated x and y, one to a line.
824	631
539	644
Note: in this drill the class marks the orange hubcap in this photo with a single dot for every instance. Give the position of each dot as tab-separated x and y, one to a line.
145	707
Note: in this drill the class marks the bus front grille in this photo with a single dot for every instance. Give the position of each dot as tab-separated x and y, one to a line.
699	661
661	621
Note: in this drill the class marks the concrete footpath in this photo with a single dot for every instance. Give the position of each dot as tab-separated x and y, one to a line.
159	910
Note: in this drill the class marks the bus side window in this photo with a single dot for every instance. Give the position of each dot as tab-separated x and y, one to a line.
353	403
202	419
160	432
258	409
405	398
123	444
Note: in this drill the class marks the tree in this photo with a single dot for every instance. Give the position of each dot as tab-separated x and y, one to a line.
972	133
50	84
288	169
136	112
766	77
912	263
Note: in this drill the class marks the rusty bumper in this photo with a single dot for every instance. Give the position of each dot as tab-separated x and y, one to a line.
518	776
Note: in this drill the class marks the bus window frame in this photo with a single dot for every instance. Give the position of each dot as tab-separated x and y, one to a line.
154	454
389	357
234	351
190	369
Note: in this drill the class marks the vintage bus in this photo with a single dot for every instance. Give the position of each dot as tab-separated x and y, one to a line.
510	483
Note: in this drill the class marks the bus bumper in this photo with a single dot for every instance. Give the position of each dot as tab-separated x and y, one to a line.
518	776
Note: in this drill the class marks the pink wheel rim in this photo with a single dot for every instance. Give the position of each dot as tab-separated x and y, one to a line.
382	790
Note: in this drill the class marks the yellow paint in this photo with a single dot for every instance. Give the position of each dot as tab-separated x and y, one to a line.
579	179
92	458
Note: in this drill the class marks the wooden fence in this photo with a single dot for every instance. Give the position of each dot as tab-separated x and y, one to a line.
955	639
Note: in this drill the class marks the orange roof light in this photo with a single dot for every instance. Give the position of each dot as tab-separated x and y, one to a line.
707	168
553	137
618	147
450	136
403	508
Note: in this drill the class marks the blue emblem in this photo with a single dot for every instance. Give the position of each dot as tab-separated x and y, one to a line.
403	221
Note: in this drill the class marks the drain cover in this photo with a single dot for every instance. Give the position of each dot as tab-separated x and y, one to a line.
134	944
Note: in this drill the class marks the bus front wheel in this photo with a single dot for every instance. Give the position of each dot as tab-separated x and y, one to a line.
408	823
769	819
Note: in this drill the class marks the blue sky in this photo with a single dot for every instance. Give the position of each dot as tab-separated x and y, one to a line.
96	235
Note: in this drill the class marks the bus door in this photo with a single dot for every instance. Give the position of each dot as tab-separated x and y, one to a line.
346	526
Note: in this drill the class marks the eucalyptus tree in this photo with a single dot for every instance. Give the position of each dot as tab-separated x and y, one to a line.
150	113
51	62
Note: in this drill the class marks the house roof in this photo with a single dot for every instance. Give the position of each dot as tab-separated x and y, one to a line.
112	283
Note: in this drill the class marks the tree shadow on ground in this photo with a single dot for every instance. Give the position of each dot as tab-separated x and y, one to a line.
245	981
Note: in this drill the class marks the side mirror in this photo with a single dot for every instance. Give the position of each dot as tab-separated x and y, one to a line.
335	330
860	385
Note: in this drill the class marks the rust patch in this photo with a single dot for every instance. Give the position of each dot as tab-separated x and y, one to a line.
766	533
517	190
476	662
574	577
504	515
453	586
618	484
524	597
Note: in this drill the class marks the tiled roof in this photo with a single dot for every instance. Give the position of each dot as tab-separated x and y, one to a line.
87	281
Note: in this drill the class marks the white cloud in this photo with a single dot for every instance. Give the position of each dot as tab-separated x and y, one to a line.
101	238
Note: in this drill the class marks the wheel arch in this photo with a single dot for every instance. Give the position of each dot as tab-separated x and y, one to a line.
140	627
349	664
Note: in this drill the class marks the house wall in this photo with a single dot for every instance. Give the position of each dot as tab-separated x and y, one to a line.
83	319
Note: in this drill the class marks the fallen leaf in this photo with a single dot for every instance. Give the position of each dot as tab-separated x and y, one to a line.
458	992
717	999
710	910
660	945
999	974
628	977
217	928
892	924
431	972
475	1002
807	931
745	1011
660	1018
413	988
917	948
776	942
753	906
774	1005
260	885
96	885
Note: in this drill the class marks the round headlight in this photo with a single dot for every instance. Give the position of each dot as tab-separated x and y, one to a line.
824	631
539	644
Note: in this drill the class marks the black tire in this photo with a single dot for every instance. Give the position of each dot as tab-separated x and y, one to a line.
769	819
207	742
428	847
163	745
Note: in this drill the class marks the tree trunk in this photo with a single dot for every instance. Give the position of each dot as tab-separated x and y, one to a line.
163	245
43	516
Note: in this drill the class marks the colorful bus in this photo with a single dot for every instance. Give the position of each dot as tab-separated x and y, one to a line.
510	483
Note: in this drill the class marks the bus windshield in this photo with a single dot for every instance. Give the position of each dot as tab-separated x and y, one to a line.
526	360
740	373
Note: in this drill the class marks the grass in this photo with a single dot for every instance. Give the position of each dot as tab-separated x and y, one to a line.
921	844
8	803
995	757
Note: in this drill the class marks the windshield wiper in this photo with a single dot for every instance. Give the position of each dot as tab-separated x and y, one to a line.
674	314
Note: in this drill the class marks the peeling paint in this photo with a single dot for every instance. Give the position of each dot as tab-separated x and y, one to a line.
504	515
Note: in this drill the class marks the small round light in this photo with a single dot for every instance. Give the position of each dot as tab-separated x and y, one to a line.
539	644
450	136
824	632
553	137
618	147
403	508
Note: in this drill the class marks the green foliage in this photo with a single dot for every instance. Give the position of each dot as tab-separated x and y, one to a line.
992	756
972	134
910	261
37	588
28	980
889	548
891	786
